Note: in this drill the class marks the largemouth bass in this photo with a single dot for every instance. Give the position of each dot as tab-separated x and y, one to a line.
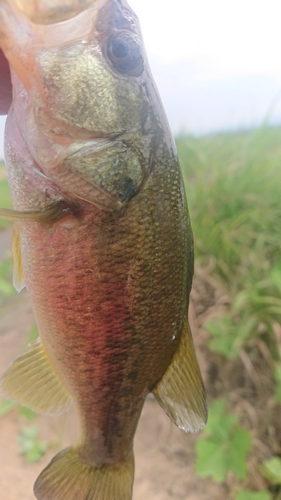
102	238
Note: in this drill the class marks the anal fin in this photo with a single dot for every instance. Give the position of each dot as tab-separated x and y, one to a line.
181	392
31	381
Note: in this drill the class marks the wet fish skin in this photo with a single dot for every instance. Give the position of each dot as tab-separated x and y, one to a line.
110	278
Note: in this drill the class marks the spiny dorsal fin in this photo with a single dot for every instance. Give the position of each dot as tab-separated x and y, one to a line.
18	275
31	381
181	392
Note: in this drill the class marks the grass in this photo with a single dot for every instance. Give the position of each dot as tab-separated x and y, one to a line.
6	287
5	197
234	197
233	182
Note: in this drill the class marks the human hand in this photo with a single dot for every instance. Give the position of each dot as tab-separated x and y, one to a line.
5	85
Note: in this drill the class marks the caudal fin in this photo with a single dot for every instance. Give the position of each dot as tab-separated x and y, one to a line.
69	477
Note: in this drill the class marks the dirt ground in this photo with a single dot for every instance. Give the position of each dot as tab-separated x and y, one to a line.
164	455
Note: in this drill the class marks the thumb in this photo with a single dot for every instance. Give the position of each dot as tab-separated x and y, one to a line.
5	85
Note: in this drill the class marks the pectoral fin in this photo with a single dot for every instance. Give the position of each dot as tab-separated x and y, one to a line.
48	215
181	392
18	275
31	381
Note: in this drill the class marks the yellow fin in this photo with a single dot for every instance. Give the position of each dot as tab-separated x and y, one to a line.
18	275
70	477
31	381
48	215
181	392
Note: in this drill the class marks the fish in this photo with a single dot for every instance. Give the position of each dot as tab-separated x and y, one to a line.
102	239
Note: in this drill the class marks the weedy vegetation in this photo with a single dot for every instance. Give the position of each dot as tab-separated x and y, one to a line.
4	194
233	183
31	447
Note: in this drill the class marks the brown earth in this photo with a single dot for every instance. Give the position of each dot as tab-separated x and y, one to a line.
165	456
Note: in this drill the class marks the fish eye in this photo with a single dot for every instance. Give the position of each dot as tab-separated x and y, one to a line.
124	54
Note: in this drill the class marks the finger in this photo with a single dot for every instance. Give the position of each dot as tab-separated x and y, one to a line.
5	85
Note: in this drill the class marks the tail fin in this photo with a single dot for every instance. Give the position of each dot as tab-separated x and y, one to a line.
69	477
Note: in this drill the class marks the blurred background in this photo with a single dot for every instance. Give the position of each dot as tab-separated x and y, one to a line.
217	66
216	63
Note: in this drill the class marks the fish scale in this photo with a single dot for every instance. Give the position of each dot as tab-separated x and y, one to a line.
102	241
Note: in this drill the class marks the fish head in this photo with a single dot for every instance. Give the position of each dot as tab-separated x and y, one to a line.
94	82
88	107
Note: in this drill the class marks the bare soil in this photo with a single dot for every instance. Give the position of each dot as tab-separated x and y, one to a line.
164	455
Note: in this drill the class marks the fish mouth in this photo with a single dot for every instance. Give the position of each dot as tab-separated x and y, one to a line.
75	19
46	12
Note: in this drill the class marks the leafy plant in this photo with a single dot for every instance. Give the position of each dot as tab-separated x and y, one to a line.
224	335
27	413
5	196
6	287
224	446
32	334
271	470
31	446
5	406
277	377
253	495
228	338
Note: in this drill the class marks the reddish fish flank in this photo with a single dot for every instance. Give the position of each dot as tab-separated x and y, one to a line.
104	241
